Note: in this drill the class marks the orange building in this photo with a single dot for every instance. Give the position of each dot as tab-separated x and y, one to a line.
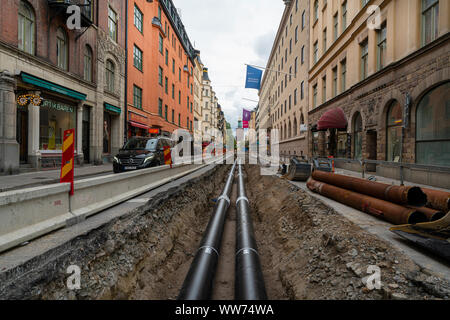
160	70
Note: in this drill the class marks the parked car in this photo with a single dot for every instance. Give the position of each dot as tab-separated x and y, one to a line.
141	153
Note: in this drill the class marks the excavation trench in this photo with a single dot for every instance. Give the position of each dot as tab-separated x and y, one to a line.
307	250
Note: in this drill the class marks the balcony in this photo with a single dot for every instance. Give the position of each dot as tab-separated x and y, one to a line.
60	6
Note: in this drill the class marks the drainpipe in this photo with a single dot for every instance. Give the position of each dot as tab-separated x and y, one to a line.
126	74
199	280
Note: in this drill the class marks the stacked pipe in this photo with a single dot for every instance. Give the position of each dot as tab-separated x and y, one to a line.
396	204
249	278
199	280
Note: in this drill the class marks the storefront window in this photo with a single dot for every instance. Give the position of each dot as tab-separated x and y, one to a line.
55	118
106	133
357	130
315	144
342	144
394	132
433	127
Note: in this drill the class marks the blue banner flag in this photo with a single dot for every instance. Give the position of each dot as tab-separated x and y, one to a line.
254	76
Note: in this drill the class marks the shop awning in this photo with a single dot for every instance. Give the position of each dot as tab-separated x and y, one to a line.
112	108
139	125
333	119
28	78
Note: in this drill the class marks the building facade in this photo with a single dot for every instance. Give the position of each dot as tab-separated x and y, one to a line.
45	90
198	85
388	75
161	63
283	101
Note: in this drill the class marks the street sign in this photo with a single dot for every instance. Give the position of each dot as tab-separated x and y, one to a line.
67	164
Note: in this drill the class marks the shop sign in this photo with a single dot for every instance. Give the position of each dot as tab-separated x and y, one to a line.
25	99
57	106
153	131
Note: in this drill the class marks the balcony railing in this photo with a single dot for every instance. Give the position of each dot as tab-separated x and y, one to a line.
85	9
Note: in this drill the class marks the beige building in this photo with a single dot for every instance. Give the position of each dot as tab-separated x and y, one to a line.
209	108
198	85
384	73
283	101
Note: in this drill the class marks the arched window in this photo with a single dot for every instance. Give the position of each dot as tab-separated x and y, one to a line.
316	10
433	127
394	132
88	63
110	75
62	49
295	127
290	130
26	28
357	131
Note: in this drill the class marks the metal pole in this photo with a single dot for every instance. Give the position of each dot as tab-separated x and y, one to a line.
249	278
199	280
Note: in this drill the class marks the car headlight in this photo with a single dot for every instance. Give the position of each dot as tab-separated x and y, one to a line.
149	158
116	160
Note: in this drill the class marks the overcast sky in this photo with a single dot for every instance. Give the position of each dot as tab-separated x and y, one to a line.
230	33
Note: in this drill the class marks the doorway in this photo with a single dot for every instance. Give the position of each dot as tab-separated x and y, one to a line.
86	133
371	145
22	133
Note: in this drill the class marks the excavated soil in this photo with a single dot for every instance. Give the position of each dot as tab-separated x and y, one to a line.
307	250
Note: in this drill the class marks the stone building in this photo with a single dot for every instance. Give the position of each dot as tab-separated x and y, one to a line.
379	84
283	101
55	77
198	110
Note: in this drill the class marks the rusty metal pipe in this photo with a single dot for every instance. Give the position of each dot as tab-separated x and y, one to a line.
431	214
437	199
404	195
391	212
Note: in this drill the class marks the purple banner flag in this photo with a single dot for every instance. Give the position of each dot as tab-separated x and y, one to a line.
246	116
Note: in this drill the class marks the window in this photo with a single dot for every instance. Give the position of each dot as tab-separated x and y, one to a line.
26	28
324	40
343	75
296	34
295	66
173	91
335	27
357	131
394	132
315	96
161	44
179	120
433	127
381	48
173	116
316	10
179	97
137	97
137	57
166	111
295	97
303	54
430	20
88	64
173	66
335	82
364	59
316	52
110	75
160	111
138	18
62	50
302	90
160	76
364	2
296	5
179	74
303	20
166	85
167	57
112	24
344	16
324	89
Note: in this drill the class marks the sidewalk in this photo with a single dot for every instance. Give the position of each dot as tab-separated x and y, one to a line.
33	179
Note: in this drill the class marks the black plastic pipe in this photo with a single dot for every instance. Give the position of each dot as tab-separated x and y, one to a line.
199	280
249	277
